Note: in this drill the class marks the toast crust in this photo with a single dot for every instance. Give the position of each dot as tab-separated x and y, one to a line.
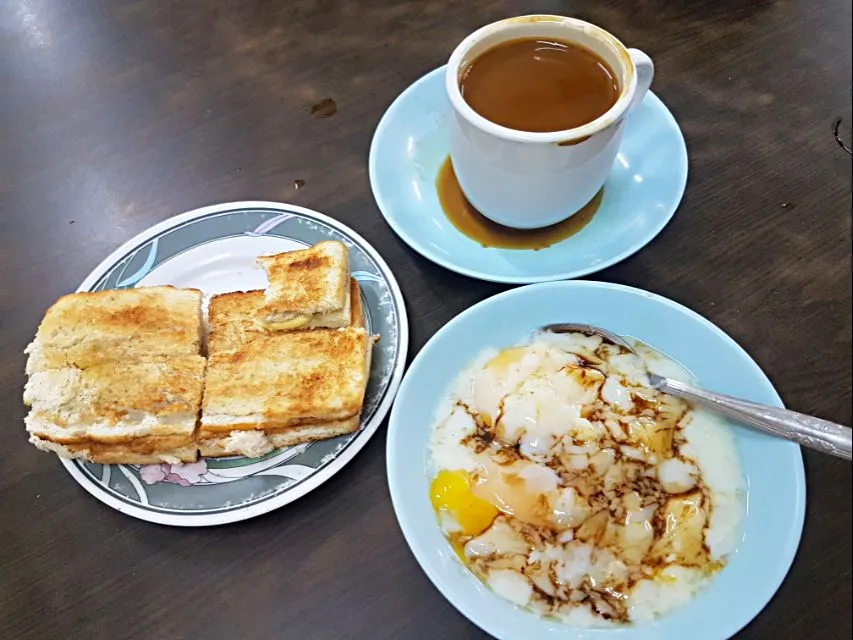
151	450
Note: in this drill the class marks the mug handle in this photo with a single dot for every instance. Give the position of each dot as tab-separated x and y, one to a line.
645	73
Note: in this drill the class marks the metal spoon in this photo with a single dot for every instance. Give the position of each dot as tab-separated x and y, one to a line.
808	431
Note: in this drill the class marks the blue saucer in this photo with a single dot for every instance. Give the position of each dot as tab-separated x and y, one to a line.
640	197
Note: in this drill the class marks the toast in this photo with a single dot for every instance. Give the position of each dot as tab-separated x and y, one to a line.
116	377
133	411
232	318
286	379
306	288
89	328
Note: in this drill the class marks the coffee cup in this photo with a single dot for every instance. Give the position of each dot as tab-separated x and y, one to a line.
532	179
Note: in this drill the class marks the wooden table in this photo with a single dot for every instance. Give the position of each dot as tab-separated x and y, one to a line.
116	115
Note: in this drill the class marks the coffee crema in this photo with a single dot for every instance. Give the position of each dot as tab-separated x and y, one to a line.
538	85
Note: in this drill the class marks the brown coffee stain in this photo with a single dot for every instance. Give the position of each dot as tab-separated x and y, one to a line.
326	108
479	228
571	143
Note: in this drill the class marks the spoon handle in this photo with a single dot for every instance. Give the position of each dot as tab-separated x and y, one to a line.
822	435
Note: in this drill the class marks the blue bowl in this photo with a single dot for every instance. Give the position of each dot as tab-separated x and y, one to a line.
773	468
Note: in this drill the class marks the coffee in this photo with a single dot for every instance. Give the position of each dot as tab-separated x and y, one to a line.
480	229
537	85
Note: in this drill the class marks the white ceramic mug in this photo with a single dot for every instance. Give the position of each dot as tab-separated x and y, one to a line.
530	180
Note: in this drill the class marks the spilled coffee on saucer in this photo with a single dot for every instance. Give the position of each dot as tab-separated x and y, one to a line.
538	85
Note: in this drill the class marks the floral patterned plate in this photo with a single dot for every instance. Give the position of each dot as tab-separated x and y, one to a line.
214	249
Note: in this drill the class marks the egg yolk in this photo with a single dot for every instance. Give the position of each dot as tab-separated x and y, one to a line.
502	362
451	492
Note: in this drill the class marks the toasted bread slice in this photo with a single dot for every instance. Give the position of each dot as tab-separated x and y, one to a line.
255	443
286	379
117	402
150	450
232	318
307	287
85	329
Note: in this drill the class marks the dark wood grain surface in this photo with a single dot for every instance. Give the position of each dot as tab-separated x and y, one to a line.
116	115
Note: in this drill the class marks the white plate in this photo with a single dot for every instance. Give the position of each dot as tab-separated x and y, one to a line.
214	249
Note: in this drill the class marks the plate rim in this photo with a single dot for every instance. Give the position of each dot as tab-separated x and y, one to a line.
792	541
506	279
343	458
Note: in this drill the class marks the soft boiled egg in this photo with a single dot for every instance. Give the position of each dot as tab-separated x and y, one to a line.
566	484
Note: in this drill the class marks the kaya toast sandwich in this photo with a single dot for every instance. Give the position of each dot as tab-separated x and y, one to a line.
116	376
271	389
